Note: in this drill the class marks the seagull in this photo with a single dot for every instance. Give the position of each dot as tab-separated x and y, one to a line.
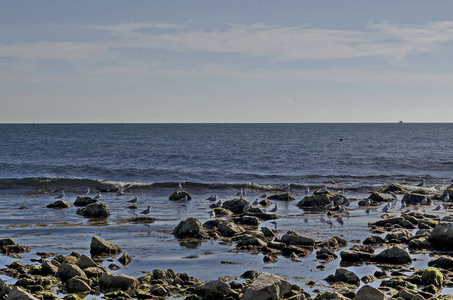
179	187
347	203
306	192
386	208
219	203
288	187
61	195
211	214
447	197
368	202
341	210
97	197
212	198
422	182
240	193
424	201
264	196
340	201
417	206
274	209
255	202
87	191
323	189
119	193
246	207
184	199
329	206
408	210
134	200
438	207
403	204
146	211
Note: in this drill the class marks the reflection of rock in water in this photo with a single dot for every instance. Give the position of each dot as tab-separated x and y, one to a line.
190	244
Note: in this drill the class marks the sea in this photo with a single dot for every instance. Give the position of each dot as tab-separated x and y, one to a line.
149	161
265	156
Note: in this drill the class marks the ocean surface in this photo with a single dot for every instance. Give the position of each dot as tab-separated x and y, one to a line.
207	155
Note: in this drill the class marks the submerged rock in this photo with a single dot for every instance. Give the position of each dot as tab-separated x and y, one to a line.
60	204
292	238
94	210
101	246
266	286
319	199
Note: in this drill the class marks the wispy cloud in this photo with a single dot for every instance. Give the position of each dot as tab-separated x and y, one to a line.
127	27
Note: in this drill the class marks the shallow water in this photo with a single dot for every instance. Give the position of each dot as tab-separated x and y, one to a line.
152	246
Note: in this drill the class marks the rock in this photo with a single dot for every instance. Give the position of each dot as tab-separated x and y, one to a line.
398	236
292	238
367	279
78	285
325	254
355	256
84	201
125	259
19	294
444	262
281	197
7	242
433	276
319	199
250	220
101	246
221	212
367	292
48	268
442	235
414	198
420	243
373	239
94	272
251	274
190	228
67	271
334	243
266	286
384	222
235	205
267	231
86	262
60	204
179	195
448	191
331	295
346	276
394	255
109	282
229	229
94	210
252	241
376	196
216	289
394	188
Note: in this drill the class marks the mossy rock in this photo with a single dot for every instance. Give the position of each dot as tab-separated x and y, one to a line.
222	212
376	196
179	195
394	188
432	275
60	204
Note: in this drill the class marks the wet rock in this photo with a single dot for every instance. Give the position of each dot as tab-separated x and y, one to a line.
409	295
299	251
250	220
398	236
179	195
100	246
266	286
367	279
216	289
19	294
442	235
109	282
235	205
367	292
125	259
94	272
221	212
270	258
78	285
276	245
433	276
334	243
7	242
331	295
406	224
325	254
420	243
376	196
48	268
60	204
344	275
267	232
394	255
86	262
380	274
385	222
94	210
444	262
251	274
67	271
394	188
374	239
292	238
355	256
448	191
114	267
414	198
84	201
281	197
252	241
319	199
158	290
189	228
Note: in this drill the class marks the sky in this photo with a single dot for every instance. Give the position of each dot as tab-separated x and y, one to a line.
179	61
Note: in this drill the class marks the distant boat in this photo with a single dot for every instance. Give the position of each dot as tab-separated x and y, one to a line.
400	122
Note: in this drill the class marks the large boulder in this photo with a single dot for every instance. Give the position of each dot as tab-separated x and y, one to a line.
189	228
281	197
367	292
442	235
86	262
432	275
84	201
19	294
344	275
266	286
444	262
394	255
376	196
235	205
100	246
216	290
394	188
94	210
78	285
292	238
114	282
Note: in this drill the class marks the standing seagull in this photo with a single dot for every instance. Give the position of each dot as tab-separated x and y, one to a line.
87	192
417	206
134	200
119	193
179	186
447	197
146	211
255	202
246	207
212	197
264	195
306	192
341	210
438	207
211	214
97	197
61	195
424	201
274	209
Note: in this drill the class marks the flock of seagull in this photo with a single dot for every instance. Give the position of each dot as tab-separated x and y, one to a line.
343	203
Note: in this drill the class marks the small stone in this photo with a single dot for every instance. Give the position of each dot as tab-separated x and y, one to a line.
101	246
125	259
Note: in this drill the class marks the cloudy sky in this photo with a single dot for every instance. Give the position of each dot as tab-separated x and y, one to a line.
226	61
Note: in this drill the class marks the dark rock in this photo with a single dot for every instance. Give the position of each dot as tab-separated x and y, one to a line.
444	262
420	243
367	279
190	228
221	212
101	246
60	204
216	289
414	198
433	276
354	256
394	255
270	258
266	286
250	220
376	196
125	259
252	241
442	235
267	231
94	210
235	205
19	294
398	236
84	201
346	276
325	254
67	271
109	282
251	274
367	292
373	239
319	199
334	243
281	197
394	188
48	268
179	195
114	267
86	262
384	222
78	285
292	238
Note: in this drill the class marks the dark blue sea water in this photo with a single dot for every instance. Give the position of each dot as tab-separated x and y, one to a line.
213	154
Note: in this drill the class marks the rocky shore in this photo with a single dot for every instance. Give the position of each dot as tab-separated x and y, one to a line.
394	239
